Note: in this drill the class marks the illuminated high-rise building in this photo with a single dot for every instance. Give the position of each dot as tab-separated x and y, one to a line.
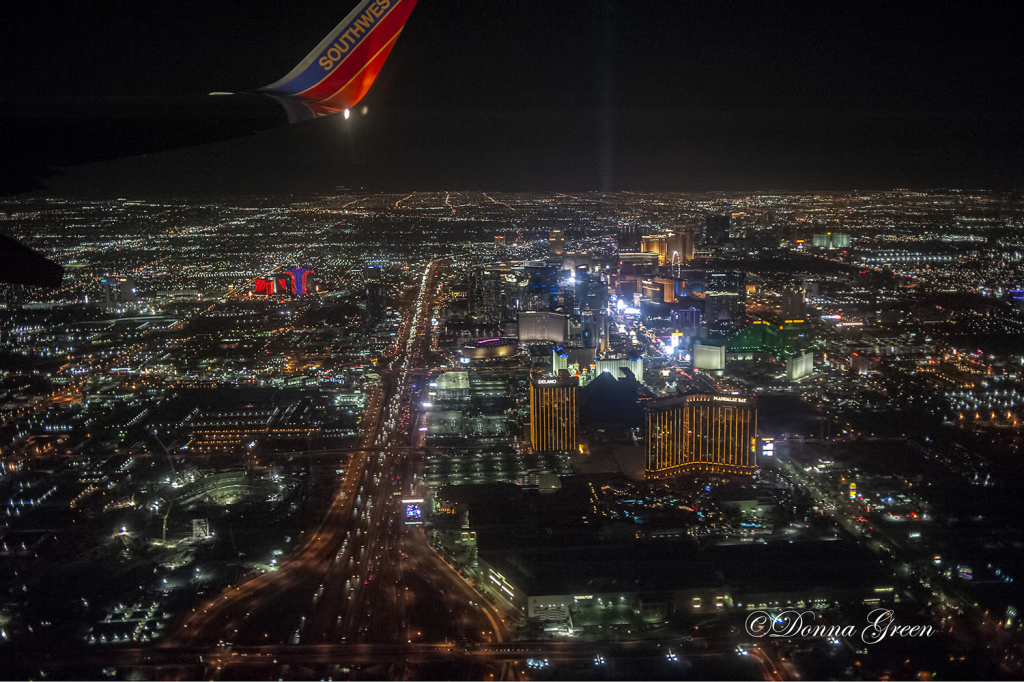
654	243
799	365
701	432
538	326
292	281
668	287
541	290
793	303
723	306
556	242
118	290
831	240
553	414
725	296
674	247
299	280
494	294
733	281
108	292
680	244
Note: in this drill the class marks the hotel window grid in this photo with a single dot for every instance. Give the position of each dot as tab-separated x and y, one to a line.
701	433
553	416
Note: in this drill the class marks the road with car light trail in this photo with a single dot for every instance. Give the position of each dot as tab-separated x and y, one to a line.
361	576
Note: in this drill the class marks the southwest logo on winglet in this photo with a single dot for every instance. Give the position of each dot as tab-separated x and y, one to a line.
341	69
350	38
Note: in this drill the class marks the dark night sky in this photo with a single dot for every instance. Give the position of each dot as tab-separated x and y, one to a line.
566	95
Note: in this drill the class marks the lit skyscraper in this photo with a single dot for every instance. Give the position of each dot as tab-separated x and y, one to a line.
299	280
553	414
492	294
556	242
793	307
701	432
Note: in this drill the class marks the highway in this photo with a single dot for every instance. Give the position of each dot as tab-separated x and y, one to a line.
189	660
361	582
231	615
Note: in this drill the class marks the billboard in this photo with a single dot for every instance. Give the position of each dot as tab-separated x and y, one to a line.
413	511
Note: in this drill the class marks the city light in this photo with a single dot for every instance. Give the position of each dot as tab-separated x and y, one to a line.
406	429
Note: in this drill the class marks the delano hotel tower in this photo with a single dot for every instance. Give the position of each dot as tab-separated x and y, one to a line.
701	432
553	414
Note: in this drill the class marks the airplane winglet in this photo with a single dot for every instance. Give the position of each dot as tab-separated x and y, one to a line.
341	69
21	265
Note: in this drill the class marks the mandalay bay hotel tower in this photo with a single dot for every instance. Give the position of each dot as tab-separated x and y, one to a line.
701	432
